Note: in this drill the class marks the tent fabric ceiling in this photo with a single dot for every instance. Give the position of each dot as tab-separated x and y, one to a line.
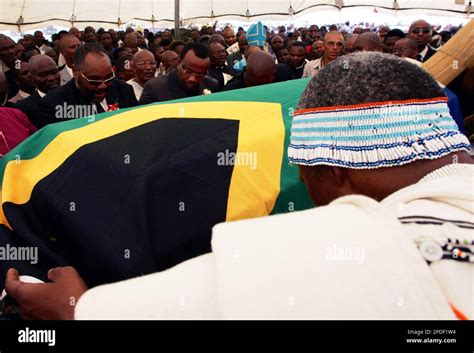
161	12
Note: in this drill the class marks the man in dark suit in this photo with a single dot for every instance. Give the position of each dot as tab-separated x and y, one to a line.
9	64
93	90
421	32
45	74
189	79
218	67
260	70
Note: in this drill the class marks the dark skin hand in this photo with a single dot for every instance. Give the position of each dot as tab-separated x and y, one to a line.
47	301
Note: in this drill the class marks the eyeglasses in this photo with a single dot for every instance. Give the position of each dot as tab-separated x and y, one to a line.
143	63
417	30
191	73
98	82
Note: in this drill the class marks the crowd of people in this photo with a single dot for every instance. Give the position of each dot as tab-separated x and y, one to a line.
98	71
379	144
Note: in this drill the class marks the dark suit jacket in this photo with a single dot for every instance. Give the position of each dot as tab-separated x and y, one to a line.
12	85
54	107
168	87
236	83
29	106
217	73
429	53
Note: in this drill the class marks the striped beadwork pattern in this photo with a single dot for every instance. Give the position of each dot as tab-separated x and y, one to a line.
373	135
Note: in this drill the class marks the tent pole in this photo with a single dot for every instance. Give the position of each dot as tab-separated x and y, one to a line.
176	19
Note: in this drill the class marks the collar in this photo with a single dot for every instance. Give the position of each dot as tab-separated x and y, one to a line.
423	52
304	63
3	67
23	94
455	169
41	94
134	81
318	63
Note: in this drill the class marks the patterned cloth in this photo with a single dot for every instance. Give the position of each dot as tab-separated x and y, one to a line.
373	135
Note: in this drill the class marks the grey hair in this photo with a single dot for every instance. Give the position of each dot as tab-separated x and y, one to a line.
366	77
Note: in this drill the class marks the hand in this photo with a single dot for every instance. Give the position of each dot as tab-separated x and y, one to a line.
47	301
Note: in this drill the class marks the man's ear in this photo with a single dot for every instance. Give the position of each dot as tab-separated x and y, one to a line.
75	72
338	174
133	67
341	179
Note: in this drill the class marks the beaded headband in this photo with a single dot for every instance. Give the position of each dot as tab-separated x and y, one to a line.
374	135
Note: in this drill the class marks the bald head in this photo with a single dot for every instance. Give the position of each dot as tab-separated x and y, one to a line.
67	46
144	66
368	41
170	60
260	69
251	50
350	40
131	41
421	32
37	61
420	23
44	72
229	36
143	55
406	48
333	46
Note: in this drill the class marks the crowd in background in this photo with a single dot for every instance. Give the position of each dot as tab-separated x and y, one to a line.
106	70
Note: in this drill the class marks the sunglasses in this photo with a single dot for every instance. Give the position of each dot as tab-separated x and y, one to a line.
419	30
98	82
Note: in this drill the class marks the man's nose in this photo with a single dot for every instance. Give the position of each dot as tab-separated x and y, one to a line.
102	85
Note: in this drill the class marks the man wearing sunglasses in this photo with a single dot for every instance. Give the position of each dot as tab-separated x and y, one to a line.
93	90
421	32
189	79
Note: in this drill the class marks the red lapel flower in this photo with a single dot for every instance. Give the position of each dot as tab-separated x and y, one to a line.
113	107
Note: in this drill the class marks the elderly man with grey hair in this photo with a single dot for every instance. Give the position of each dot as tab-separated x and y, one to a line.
392	238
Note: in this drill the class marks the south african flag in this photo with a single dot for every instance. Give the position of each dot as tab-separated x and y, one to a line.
137	191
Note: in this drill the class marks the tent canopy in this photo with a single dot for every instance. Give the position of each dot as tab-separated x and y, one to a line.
108	13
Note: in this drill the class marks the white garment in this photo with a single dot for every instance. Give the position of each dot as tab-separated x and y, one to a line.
41	94
44	49
422	53
65	75
234	48
104	105
310	265
61	60
137	88
313	67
